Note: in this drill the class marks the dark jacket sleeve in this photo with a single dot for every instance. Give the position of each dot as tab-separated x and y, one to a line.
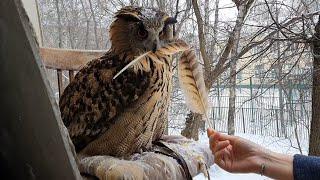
306	167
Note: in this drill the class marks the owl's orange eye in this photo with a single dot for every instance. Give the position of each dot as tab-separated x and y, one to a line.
142	33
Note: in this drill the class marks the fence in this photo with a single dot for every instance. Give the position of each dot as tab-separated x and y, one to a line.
258	111
262	114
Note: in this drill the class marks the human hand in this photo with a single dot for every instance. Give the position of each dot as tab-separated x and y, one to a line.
238	155
235	154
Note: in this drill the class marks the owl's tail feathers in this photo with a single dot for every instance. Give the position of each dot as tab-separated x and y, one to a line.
192	83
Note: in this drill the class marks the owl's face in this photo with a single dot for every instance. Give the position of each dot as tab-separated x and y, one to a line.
137	30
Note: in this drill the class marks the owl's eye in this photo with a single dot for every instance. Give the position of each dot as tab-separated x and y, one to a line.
142	33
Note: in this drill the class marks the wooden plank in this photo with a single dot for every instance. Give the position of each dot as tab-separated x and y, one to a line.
67	59
34	142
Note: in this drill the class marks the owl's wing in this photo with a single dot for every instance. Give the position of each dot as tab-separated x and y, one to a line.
91	102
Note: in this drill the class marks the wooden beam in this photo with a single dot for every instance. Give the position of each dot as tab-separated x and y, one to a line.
67	59
34	142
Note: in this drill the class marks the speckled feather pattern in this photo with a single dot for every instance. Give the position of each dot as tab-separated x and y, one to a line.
117	117
120	115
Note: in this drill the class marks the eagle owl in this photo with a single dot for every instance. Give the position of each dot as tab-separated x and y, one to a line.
124	115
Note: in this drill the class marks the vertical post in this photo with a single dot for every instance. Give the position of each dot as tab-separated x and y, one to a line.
71	75
59	75
219	104
291	110
213	121
252	111
277	120
243	121
260	114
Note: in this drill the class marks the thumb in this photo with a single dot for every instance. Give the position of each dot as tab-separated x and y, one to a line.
210	132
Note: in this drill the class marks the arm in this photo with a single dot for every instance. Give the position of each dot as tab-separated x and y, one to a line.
278	166
235	154
306	167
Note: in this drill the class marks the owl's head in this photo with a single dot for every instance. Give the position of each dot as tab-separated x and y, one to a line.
137	30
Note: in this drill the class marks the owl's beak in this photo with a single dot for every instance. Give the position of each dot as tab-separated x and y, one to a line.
153	41
155	47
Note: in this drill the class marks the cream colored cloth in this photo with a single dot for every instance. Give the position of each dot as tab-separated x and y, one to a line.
151	165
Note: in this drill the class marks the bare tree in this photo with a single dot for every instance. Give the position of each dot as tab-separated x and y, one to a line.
59	24
209	73
314	142
275	33
243	9
94	24
87	25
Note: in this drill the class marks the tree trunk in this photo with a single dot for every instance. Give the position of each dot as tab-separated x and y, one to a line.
71	37
202	41
232	99
314	141
87	25
280	82
233	68
214	53
94	25
193	122
59	24
231	44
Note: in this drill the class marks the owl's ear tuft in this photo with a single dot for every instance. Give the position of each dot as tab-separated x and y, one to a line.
129	17
129	13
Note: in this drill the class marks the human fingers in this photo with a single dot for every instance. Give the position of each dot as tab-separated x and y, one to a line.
210	132
221	145
220	158
223	137
213	140
224	159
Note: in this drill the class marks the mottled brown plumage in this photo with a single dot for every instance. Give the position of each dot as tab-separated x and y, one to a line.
121	116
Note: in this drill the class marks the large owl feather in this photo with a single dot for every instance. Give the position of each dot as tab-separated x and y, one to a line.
171	48
192	83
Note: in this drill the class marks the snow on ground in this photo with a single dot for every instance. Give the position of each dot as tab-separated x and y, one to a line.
276	144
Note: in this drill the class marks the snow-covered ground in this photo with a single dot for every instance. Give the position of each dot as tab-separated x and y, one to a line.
280	145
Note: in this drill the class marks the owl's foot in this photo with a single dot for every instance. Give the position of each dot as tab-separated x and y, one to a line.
145	149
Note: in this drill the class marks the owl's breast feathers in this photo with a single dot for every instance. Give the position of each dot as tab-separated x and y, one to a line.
91	103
